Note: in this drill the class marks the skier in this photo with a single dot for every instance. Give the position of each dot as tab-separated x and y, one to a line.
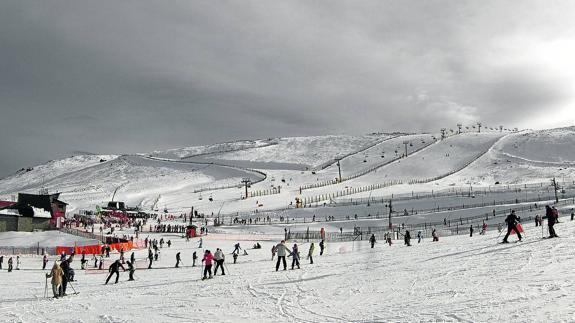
18	262
178	259
512	221
310	253
194	258
56	273
484	228
115	269
200	244
372	240
101	265
434	235
150	258
83	261
407	238
66	269
235	255
207	260
471	231
219	258
295	256
156	255
321	247
169	243
551	220
10	264
133	258
44	262
1	261
282	250
556	214
131	269
122	255
273	252
237	248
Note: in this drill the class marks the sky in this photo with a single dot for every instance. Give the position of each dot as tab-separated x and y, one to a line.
138	75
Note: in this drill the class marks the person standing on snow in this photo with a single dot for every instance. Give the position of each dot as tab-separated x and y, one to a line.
237	248
471	231
310	253
419	237
512	221
150	258
407	238
18	262
131	269
200	244
44	262
219	258
133	258
56	273
551	220
282	250
66	269
372	240
115	269
321	247
10	261
435	236
178	259
273	252
1	261
207	260
295	256
194	258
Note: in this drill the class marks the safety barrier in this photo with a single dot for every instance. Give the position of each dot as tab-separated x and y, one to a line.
97	249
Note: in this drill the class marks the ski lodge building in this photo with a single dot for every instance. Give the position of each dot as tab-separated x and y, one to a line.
32	212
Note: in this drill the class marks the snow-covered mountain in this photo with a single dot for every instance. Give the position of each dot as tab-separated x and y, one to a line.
185	177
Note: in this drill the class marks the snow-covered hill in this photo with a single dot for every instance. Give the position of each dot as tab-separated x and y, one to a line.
186	177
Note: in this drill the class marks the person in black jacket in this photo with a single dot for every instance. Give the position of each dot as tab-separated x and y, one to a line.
66	269
131	269
551	220
150	258
115	269
512	220
372	240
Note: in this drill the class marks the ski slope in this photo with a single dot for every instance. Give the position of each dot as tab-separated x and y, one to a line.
178	179
306	151
458	279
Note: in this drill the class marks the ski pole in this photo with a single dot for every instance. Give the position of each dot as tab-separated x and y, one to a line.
75	292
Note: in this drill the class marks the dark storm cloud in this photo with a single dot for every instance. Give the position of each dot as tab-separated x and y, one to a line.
134	76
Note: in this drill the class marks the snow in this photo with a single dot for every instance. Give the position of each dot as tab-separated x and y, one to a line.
458	279
47	239
306	151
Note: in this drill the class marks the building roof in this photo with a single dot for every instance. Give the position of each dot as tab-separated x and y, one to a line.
4	204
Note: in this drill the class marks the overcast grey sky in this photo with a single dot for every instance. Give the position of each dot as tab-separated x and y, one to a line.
135	76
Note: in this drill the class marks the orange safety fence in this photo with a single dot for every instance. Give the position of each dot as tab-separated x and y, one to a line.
97	249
